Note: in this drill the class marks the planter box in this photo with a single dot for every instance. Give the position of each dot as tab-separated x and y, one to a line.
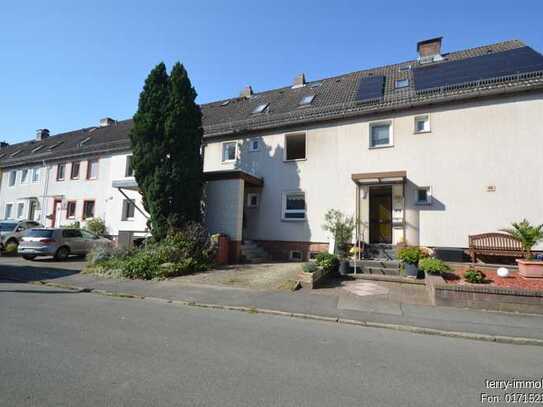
313	280
530	268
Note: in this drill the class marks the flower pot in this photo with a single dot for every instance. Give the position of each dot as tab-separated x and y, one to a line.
411	270
530	268
344	268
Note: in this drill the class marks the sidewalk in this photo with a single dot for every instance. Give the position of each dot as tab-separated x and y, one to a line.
334	304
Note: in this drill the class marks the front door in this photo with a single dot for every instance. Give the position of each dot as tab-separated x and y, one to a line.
57	211
381	215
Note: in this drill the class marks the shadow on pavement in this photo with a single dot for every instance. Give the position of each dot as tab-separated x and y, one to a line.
16	269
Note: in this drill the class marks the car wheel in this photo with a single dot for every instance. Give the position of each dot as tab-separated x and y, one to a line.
29	256
62	253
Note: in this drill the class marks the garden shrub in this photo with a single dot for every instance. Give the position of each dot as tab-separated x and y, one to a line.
309	267
432	265
73	225
96	226
329	262
474	276
410	255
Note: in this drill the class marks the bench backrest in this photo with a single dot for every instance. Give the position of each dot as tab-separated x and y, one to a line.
495	241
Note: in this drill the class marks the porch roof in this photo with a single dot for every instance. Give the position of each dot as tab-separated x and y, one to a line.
379	177
234	174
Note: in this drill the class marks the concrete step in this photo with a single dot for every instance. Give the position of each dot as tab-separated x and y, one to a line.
381	271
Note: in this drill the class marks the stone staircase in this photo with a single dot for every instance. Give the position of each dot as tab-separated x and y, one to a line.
251	252
381	251
379	267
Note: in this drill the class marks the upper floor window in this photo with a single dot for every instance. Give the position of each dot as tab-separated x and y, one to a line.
295	147
12	178
380	135
35	175
129	169
229	151
422	124
74	174
61	172
24	176
254	145
261	108
92	169
294	206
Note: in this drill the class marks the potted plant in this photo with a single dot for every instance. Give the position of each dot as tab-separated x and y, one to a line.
528	235
341	227
410	258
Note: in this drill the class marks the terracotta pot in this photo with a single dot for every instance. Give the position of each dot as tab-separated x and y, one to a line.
530	268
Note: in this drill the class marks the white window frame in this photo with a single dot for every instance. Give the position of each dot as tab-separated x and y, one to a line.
10	205
23	179
37	171
126	203
398	83
420	118
252	149
223	144
249	200
90	162
22	211
284	207
287	135
14	180
390	138
291	257
428	200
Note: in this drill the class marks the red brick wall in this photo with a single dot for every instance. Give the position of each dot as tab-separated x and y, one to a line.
280	249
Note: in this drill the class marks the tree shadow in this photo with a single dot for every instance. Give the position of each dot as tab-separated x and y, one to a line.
31	272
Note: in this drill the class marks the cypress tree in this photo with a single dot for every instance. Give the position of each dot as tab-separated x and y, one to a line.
166	140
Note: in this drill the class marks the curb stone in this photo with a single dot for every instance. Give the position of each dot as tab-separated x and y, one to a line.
514	340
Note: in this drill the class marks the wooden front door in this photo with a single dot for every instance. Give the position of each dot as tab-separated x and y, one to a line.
57	211
381	215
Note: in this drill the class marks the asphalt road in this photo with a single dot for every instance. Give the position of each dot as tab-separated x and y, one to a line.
59	348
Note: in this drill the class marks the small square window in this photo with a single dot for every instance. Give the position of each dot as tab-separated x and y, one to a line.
422	124
295	147
252	200
401	83
424	196
306	100
254	145
380	135
296	255
229	151
294	206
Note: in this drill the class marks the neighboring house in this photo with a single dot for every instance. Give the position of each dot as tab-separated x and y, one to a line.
426	151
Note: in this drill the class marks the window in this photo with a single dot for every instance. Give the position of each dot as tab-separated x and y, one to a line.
380	135
74	174
88	235
424	196
15	153
35	175
24	176
36	149
294	206
92	169
70	209
422	124
7	211
252	200
33	207
254	145
88	209
83	142
129	170
61	169
128	209
295	146
52	147
12	178
306	100
71	233
20	210
312	256
229	151
401	83
260	108
296	255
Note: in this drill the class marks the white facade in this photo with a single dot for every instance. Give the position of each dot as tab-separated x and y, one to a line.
481	162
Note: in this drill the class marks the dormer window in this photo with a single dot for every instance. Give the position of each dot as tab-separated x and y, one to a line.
84	141
225	103
15	153
306	100
261	108
55	145
401	83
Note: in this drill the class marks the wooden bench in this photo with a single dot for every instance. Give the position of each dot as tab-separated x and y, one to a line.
494	244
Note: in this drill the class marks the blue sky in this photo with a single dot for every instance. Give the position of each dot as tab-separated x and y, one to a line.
66	64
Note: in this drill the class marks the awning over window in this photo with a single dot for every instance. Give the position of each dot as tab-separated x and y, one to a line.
250	179
371	178
129	184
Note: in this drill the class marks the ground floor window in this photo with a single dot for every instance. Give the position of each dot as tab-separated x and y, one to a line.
88	209
7	211
128	209
70	209
294	205
424	196
20	210
33	206
252	200
296	255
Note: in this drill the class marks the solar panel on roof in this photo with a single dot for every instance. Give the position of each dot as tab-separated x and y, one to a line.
519	60
369	88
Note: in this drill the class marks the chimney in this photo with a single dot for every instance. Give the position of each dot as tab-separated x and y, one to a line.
299	81
4	144
246	92
42	134
430	49
106	121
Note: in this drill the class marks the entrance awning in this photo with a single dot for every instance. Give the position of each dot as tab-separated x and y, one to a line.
129	184
373	178
249	179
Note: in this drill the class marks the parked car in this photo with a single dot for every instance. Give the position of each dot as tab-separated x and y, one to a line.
59	243
11	231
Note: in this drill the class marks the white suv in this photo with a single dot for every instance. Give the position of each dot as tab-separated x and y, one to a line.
11	231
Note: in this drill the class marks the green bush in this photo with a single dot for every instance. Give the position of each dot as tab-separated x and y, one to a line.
309	267
474	276
410	255
432	265
96	226
327	261
73	225
11	248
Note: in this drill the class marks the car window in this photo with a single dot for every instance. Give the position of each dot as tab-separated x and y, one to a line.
7	226
70	233
40	233
88	235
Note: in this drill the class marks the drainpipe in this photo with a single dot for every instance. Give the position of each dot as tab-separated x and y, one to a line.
44	195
